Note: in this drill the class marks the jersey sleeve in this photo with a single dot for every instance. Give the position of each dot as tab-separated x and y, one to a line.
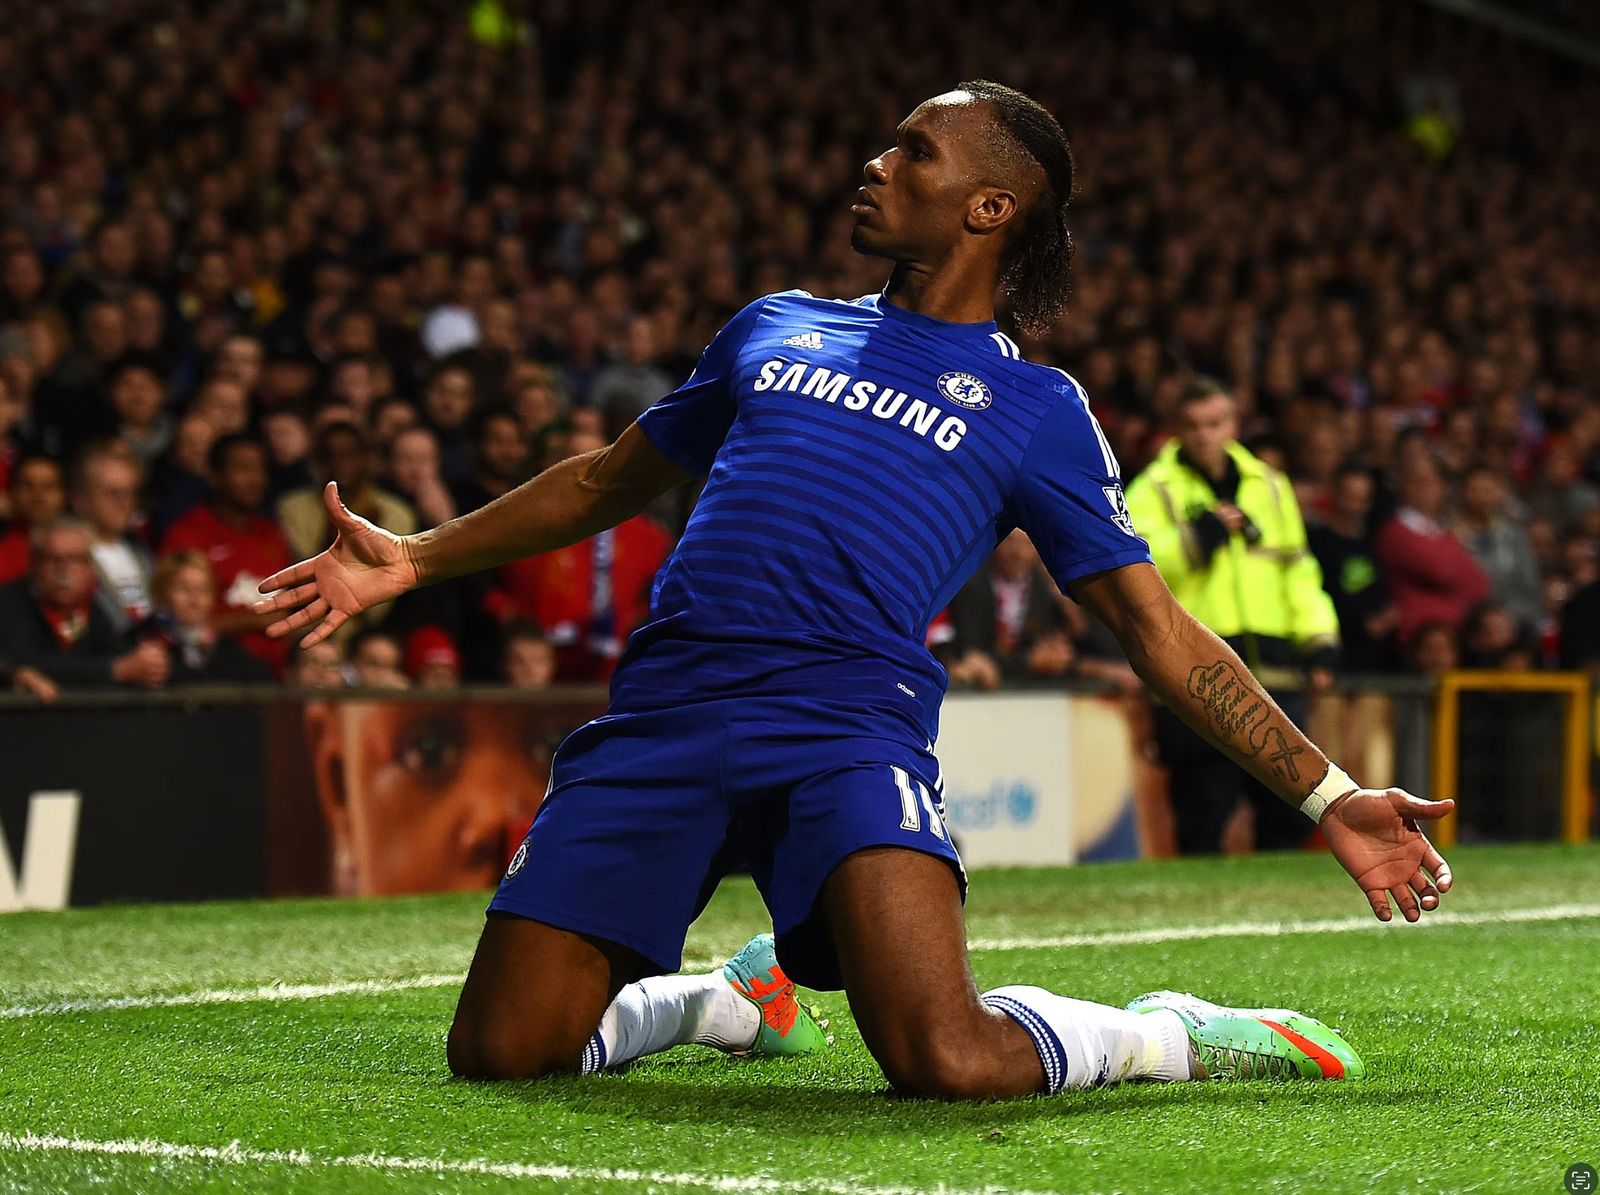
1069	498
690	424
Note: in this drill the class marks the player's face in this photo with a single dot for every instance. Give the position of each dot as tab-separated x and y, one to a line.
913	204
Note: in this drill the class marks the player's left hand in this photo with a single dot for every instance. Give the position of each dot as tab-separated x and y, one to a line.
1374	835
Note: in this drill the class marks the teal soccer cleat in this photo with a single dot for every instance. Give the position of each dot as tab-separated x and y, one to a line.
1257	1043
786	1027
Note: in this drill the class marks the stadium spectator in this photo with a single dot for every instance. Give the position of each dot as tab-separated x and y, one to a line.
22	284
414	474
448	402
538	399
138	406
240	361
1492	638
224	405
38	494
529	659
391	417
186	602
623	390
432	659
145	316
107	275
320	666
50	622
341	454
1435	649
1499	545
68	406
179	482
105	495
243	546
375	661
500	459
1431	574
288	440
1222	524
1007	622
1562	495
1345	551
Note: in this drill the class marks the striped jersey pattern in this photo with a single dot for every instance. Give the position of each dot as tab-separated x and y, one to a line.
862	461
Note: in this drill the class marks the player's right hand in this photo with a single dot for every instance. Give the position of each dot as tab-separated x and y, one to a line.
365	566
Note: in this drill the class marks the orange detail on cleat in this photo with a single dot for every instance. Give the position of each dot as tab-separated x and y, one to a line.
775	998
1331	1067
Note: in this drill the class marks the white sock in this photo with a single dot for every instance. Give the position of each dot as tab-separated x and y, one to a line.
1090	1045
671	1010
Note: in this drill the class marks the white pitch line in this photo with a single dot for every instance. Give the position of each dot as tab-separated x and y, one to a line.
236	1154
1277	929
266	993
269	993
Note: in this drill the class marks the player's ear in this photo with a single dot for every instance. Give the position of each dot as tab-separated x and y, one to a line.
991	209
325	746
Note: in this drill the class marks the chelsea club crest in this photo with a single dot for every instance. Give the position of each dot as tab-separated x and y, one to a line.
965	391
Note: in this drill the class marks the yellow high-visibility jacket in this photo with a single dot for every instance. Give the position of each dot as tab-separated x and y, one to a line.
1264	597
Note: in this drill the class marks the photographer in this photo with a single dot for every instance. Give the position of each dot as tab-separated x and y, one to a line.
1225	531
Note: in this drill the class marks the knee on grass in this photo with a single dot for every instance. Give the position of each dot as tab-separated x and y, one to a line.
491	1051
943	1070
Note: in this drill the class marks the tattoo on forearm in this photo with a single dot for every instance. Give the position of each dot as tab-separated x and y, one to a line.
1238	713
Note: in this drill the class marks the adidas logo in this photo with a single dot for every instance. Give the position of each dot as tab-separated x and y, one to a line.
805	340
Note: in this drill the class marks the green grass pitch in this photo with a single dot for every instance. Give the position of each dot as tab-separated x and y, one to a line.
1480	1033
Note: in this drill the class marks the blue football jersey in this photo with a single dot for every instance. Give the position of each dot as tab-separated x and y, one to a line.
862	461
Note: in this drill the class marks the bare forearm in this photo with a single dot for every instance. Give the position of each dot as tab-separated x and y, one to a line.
1204	682
566	503
1201	679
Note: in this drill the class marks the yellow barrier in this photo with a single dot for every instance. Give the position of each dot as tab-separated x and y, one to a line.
1575	751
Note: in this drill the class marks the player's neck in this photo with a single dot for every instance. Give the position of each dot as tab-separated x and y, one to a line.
958	293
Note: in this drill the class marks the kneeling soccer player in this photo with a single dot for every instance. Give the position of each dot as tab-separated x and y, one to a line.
862	459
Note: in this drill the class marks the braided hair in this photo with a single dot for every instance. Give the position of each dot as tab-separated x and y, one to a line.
1036	272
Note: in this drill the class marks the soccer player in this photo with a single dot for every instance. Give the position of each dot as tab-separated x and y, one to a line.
862	458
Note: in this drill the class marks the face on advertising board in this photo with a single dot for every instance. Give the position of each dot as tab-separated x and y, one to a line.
423	797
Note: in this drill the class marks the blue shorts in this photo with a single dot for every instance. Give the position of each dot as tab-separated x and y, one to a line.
647	811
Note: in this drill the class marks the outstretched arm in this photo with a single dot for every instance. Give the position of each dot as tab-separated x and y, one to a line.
367	565
1373	834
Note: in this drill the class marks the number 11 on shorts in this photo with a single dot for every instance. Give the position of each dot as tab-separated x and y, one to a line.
911	815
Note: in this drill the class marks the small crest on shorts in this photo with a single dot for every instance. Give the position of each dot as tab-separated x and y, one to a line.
518	860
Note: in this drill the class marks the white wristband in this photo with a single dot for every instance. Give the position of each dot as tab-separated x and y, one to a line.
1334	785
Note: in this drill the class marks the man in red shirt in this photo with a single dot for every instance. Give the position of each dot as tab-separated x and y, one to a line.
1430	573
242	544
588	597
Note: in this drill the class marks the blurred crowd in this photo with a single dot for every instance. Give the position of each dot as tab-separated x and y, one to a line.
427	249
